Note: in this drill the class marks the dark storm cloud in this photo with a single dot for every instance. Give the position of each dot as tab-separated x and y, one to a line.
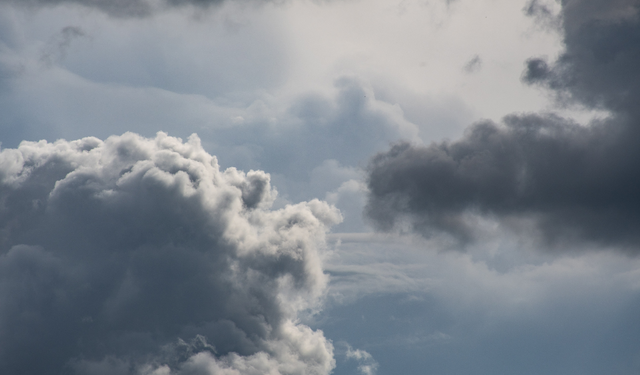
139	256
573	183
599	67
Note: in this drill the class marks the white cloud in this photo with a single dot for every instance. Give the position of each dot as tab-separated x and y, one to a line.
366	364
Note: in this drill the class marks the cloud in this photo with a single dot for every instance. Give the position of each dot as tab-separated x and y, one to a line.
309	133
412	306
348	127
367	365
599	65
119	8
544	13
557	180
140	256
57	47
473	65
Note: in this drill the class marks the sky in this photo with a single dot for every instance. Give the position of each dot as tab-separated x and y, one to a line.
220	187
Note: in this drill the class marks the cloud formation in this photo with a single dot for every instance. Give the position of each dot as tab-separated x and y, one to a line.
367	365
473	65
139	256
57	47
118	8
568	183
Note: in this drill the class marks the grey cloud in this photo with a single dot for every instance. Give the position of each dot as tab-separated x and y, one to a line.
139	256
314	128
570	179
118	8
537	70
543	13
599	67
537	8
473	65
409	305
562	182
57	47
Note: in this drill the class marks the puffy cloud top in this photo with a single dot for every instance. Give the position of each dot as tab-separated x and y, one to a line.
139	256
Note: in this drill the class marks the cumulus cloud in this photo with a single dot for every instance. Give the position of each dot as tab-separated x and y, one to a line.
314	128
561	181
140	256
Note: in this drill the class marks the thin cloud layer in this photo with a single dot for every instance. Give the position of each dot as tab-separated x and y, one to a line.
139	256
563	182
118	8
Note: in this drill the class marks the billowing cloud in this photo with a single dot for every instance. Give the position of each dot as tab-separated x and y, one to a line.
348	127
565	182
140	256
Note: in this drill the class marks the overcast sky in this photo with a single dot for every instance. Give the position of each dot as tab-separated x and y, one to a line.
314	187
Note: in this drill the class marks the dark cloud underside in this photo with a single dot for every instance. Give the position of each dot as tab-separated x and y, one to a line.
135	255
574	183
